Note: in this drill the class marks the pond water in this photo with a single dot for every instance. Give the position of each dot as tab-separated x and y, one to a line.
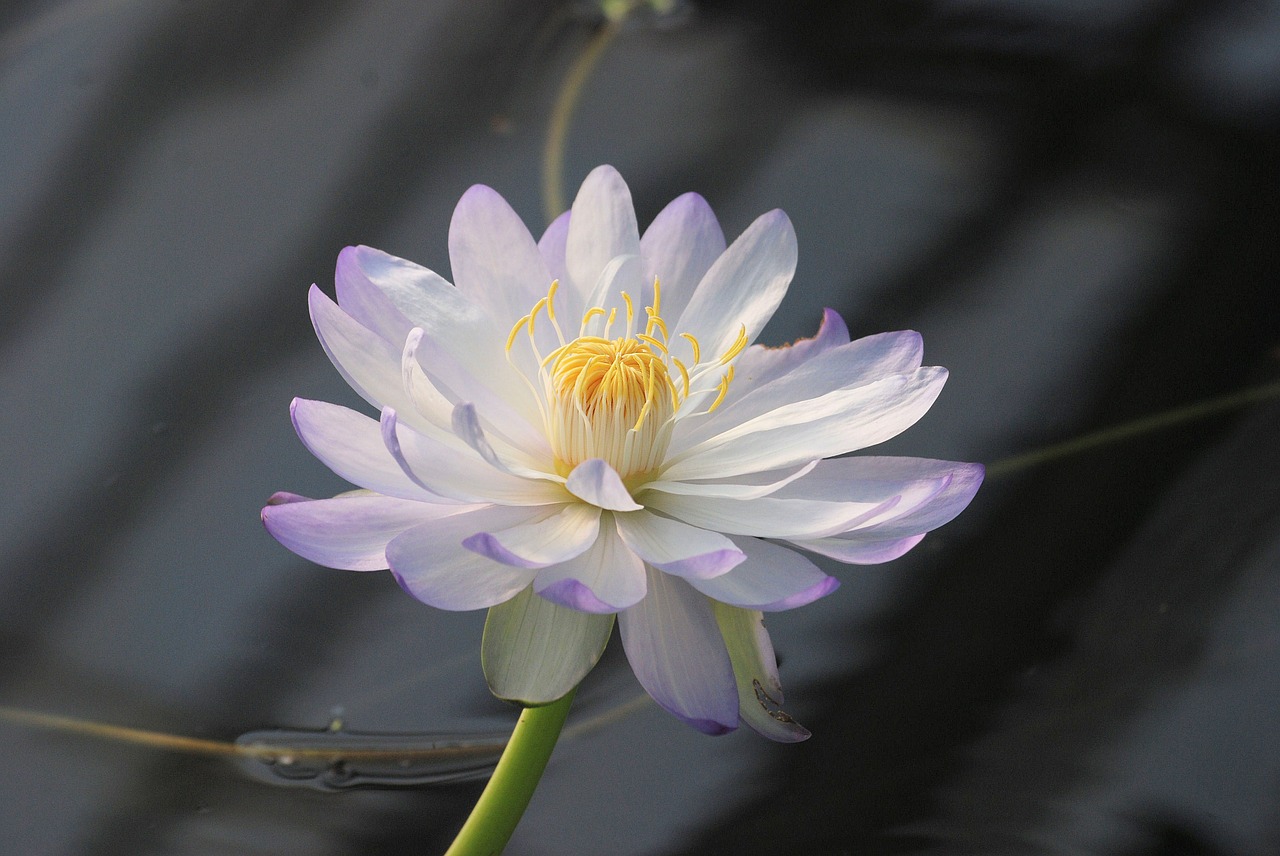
1075	204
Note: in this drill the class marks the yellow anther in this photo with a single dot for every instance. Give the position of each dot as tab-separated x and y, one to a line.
551	296
697	349
613	316
631	311
590	313
511	337
737	347
533	314
724	390
684	375
657	297
657	323
643	337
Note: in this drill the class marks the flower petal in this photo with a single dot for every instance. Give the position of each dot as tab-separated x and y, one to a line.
678	654
744	286
495	262
606	578
549	540
841	421
460	473
759	365
772	579
856	364
602	226
745	486
767	517
372	286
350	531
676	547
854	550
350	444
365	359
552	247
535	651
431	564
596	482
679	247
756	669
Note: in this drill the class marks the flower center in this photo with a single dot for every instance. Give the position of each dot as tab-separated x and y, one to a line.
610	399
618	398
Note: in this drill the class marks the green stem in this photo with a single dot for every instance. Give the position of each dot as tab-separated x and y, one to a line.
507	795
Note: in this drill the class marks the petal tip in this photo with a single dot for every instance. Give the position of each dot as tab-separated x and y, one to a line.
573	594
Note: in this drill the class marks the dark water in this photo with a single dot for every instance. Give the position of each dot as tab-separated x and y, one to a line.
1074	202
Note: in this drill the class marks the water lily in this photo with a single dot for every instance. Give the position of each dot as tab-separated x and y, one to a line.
580	430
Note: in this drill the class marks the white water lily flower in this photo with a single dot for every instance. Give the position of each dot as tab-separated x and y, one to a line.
581	429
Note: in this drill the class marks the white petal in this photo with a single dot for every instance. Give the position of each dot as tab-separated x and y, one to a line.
366	361
549	540
759	365
552	247
854	550
596	482
679	247
756	670
350	444
622	274
676	547
743	287
606	578
745	486
765	517
602	226
460	473
467	427
772	579
367	301
678	654
535	651
846	367
842	421
348	532
431	564
495	262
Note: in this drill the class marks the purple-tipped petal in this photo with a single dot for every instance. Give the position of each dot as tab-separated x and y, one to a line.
676	547
772	579
349	532
431	564
606	578
552	247
495	262
678	654
596	482
860	551
350	444
679	247
548	540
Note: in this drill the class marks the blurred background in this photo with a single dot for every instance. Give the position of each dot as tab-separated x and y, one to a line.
1073	200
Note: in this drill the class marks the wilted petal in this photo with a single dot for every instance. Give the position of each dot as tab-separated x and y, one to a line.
431	564
606	578
349	532
756	670
676	547
772	579
535	651
678	654
558	536
744	286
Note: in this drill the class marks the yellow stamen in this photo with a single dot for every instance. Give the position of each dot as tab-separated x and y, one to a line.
737	347
697	349
511	337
